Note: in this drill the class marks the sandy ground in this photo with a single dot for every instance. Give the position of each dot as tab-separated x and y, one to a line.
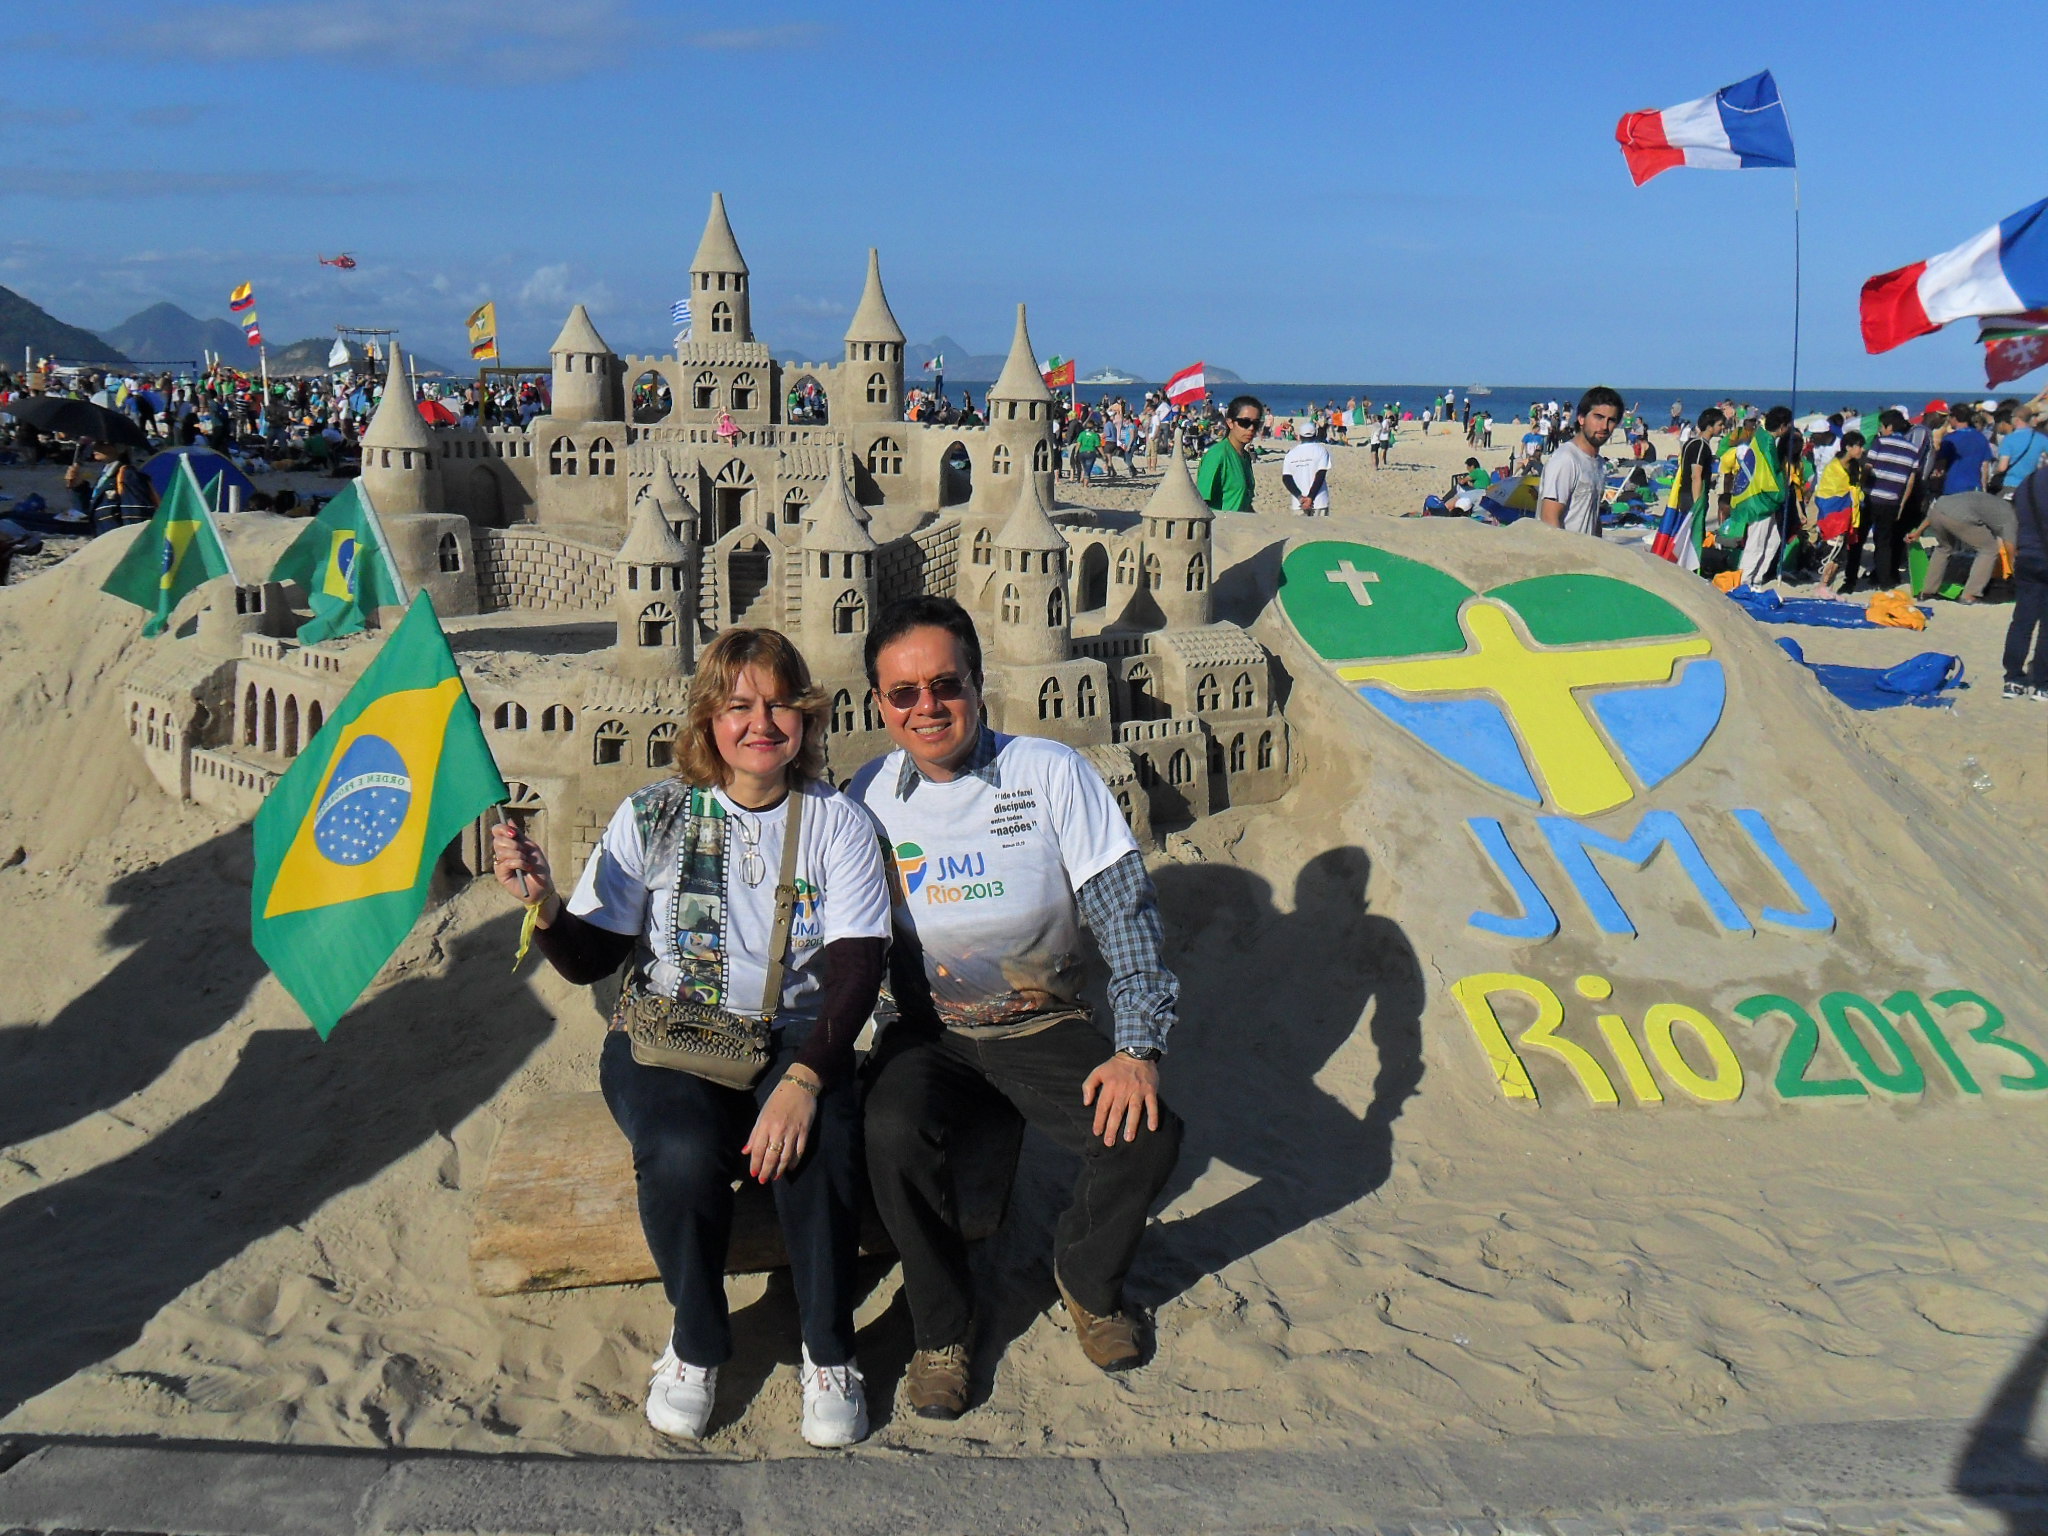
220	1228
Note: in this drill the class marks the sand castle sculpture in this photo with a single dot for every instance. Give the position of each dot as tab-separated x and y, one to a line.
671	496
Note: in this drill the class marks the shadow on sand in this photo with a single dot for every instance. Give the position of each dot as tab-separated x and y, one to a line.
94	1257
1267	999
2002	1465
190	969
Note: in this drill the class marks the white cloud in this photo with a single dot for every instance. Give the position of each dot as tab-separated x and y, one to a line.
497	40
548	285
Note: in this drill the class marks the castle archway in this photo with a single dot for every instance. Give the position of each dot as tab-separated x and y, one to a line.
956	474
1092	588
746	579
729	494
805	403
652	398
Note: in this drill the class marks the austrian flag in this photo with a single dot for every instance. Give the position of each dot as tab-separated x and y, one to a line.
1187	386
1741	127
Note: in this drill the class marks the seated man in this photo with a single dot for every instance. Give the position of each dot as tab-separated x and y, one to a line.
1002	846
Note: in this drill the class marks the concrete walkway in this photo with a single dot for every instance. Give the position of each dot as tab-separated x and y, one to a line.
1870	1479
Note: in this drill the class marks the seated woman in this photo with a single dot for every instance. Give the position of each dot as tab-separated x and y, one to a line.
688	880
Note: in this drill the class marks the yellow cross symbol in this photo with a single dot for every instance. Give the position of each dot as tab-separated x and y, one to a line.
1535	685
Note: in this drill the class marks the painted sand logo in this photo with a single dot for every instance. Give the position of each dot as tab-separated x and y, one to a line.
1576	690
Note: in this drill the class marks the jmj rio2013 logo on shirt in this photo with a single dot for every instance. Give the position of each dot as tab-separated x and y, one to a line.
954	877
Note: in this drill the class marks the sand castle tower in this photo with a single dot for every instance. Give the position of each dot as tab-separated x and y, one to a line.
874	354
651	598
838	588
1031	584
399	473
1020	416
587	385
719	306
1178	525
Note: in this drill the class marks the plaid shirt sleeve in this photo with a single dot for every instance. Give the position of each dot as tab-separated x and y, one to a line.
1122	910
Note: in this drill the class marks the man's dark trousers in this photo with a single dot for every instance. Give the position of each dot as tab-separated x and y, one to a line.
924	1087
2029	627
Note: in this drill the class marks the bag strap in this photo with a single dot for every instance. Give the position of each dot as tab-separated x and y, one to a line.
785	905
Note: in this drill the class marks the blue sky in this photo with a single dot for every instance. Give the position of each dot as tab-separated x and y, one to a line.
1309	193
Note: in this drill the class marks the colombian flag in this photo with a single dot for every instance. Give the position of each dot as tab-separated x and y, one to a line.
242	298
343	561
347	840
1836	500
176	554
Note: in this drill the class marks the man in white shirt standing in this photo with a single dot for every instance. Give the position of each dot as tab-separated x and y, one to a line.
1306	472
1002	846
1575	478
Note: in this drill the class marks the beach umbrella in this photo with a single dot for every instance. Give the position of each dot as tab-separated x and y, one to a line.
1510	498
437	414
207	466
77	418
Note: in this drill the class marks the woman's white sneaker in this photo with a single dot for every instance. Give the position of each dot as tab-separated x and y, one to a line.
679	1396
835	1404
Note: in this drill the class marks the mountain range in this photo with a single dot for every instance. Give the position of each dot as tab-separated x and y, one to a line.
164	333
986	367
27	325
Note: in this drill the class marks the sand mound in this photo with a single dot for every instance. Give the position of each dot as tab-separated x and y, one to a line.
235	1231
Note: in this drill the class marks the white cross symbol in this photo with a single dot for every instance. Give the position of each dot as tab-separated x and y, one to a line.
1355	579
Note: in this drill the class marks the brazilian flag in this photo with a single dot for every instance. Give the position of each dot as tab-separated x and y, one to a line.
345	565
178	552
346	841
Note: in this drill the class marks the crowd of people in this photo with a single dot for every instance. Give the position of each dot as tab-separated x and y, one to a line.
1767	500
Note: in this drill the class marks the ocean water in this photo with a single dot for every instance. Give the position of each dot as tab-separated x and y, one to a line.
1512	402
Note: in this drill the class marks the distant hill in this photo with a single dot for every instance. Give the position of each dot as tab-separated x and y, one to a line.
23	324
975	367
310	356
164	333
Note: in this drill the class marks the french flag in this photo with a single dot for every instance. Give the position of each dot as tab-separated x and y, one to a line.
1741	127
2002	271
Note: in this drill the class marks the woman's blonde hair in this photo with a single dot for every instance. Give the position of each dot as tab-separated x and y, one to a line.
718	672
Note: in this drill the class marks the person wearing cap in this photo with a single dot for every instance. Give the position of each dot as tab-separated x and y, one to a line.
1224	477
1306	472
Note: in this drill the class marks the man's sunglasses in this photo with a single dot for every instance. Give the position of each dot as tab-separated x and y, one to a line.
944	689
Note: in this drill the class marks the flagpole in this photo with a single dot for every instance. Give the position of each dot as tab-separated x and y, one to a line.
1795	292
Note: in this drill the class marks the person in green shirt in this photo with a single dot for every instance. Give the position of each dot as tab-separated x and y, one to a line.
1224	477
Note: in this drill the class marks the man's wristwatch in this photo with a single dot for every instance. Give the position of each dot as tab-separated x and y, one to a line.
1141	1052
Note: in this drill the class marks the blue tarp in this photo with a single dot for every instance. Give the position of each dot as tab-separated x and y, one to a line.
1773	609
1917	680
206	464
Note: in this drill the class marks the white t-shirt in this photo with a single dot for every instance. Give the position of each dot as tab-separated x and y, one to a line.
1301	464
1576	479
841	883
986	874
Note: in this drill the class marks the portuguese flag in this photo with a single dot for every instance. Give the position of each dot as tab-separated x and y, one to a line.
346	840
176	554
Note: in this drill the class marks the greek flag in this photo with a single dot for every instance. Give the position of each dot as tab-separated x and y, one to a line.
679	312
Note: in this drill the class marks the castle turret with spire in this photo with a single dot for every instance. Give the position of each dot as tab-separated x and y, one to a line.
399	471
874	354
1020	416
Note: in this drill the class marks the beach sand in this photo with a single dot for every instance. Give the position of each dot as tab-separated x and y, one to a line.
221	1228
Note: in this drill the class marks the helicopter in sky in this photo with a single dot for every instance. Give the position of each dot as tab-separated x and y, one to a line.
345	261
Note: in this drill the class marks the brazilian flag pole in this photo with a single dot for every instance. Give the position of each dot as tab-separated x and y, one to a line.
346	841
344	562
178	552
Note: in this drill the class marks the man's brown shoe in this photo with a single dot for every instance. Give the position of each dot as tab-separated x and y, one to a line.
1110	1343
936	1383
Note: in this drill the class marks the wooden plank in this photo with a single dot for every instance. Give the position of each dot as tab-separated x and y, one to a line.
558	1208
